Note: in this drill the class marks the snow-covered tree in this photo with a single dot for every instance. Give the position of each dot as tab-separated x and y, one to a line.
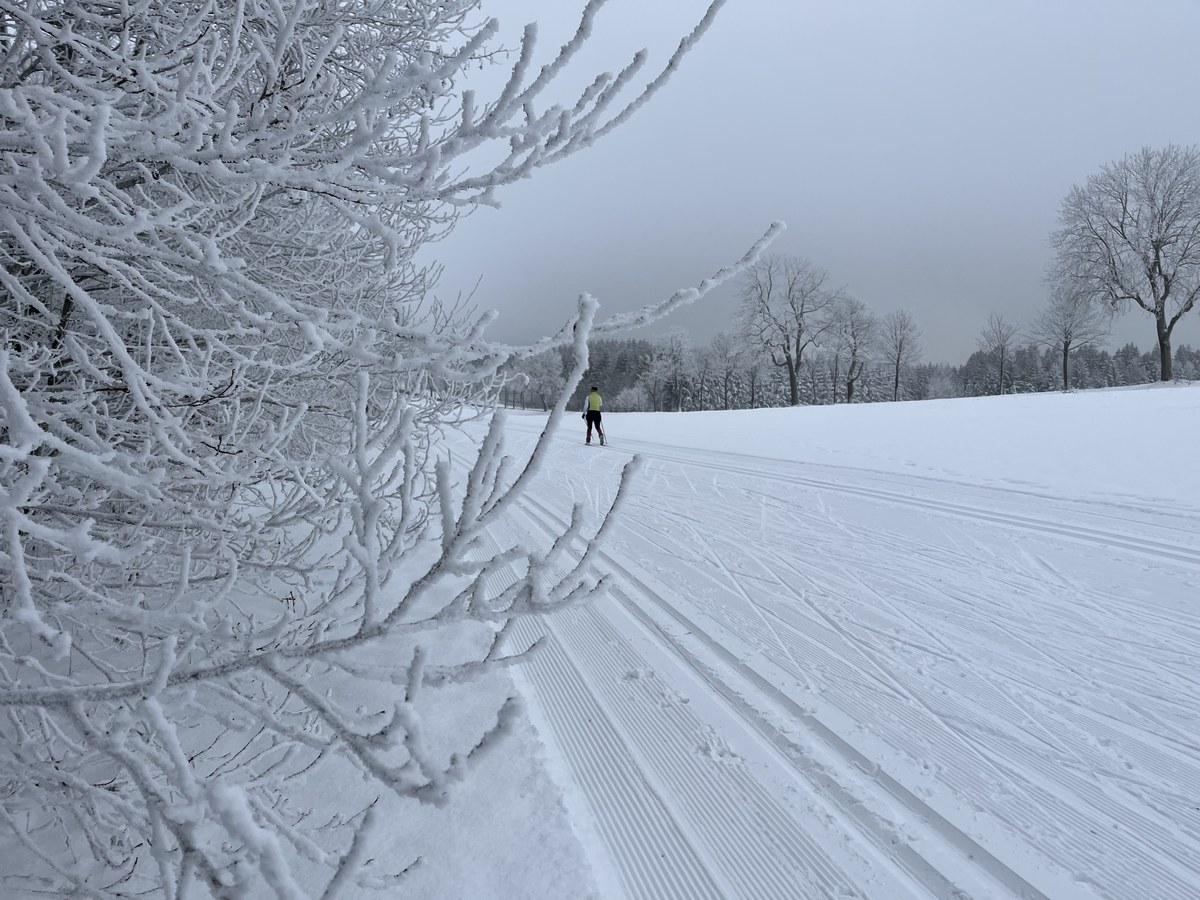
941	384
1187	363
221	395
996	342
785	303
703	374
899	345
726	354
614	364
1133	367
1072	319
672	365
854	331
1130	237
633	399
817	374
544	375
754	370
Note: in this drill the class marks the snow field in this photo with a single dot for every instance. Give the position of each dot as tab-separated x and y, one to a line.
841	681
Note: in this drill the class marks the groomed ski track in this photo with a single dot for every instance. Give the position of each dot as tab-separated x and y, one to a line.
811	681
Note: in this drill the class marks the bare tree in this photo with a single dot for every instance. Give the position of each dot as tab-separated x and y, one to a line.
996	341
545	375
1071	320
1131	237
855	331
899	345
784	309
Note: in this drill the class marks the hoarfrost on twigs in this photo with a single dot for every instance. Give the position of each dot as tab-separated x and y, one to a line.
223	391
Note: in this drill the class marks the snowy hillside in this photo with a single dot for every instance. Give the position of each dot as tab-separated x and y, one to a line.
882	651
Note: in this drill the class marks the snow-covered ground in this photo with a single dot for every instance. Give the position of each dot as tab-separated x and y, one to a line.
885	651
945	649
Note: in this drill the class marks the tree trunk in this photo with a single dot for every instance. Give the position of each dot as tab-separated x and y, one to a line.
793	385
896	383
1066	365
1164	347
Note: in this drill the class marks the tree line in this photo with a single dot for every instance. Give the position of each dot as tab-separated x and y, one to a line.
1128	240
671	374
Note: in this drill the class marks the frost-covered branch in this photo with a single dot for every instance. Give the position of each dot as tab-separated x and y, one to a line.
237	478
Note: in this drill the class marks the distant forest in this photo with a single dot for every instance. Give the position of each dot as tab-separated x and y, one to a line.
669	374
798	340
1128	242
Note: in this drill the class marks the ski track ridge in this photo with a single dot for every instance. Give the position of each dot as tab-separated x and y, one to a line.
1052	824
874	829
765	851
1032	811
654	858
1159	549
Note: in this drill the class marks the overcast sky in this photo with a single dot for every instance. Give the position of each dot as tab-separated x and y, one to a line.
917	150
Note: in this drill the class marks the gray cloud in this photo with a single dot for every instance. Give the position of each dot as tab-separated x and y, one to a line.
919	151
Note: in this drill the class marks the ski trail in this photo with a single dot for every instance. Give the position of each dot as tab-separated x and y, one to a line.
948	654
653	854
642	731
1076	532
963	722
716	559
981	868
1003	682
1116	510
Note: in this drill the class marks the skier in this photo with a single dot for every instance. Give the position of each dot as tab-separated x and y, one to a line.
591	413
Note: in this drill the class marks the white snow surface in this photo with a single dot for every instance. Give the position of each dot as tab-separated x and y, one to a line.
943	649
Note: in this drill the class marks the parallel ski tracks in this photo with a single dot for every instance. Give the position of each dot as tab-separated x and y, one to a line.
1038	797
959	853
765	852
1065	790
1055	794
1075	532
654	856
